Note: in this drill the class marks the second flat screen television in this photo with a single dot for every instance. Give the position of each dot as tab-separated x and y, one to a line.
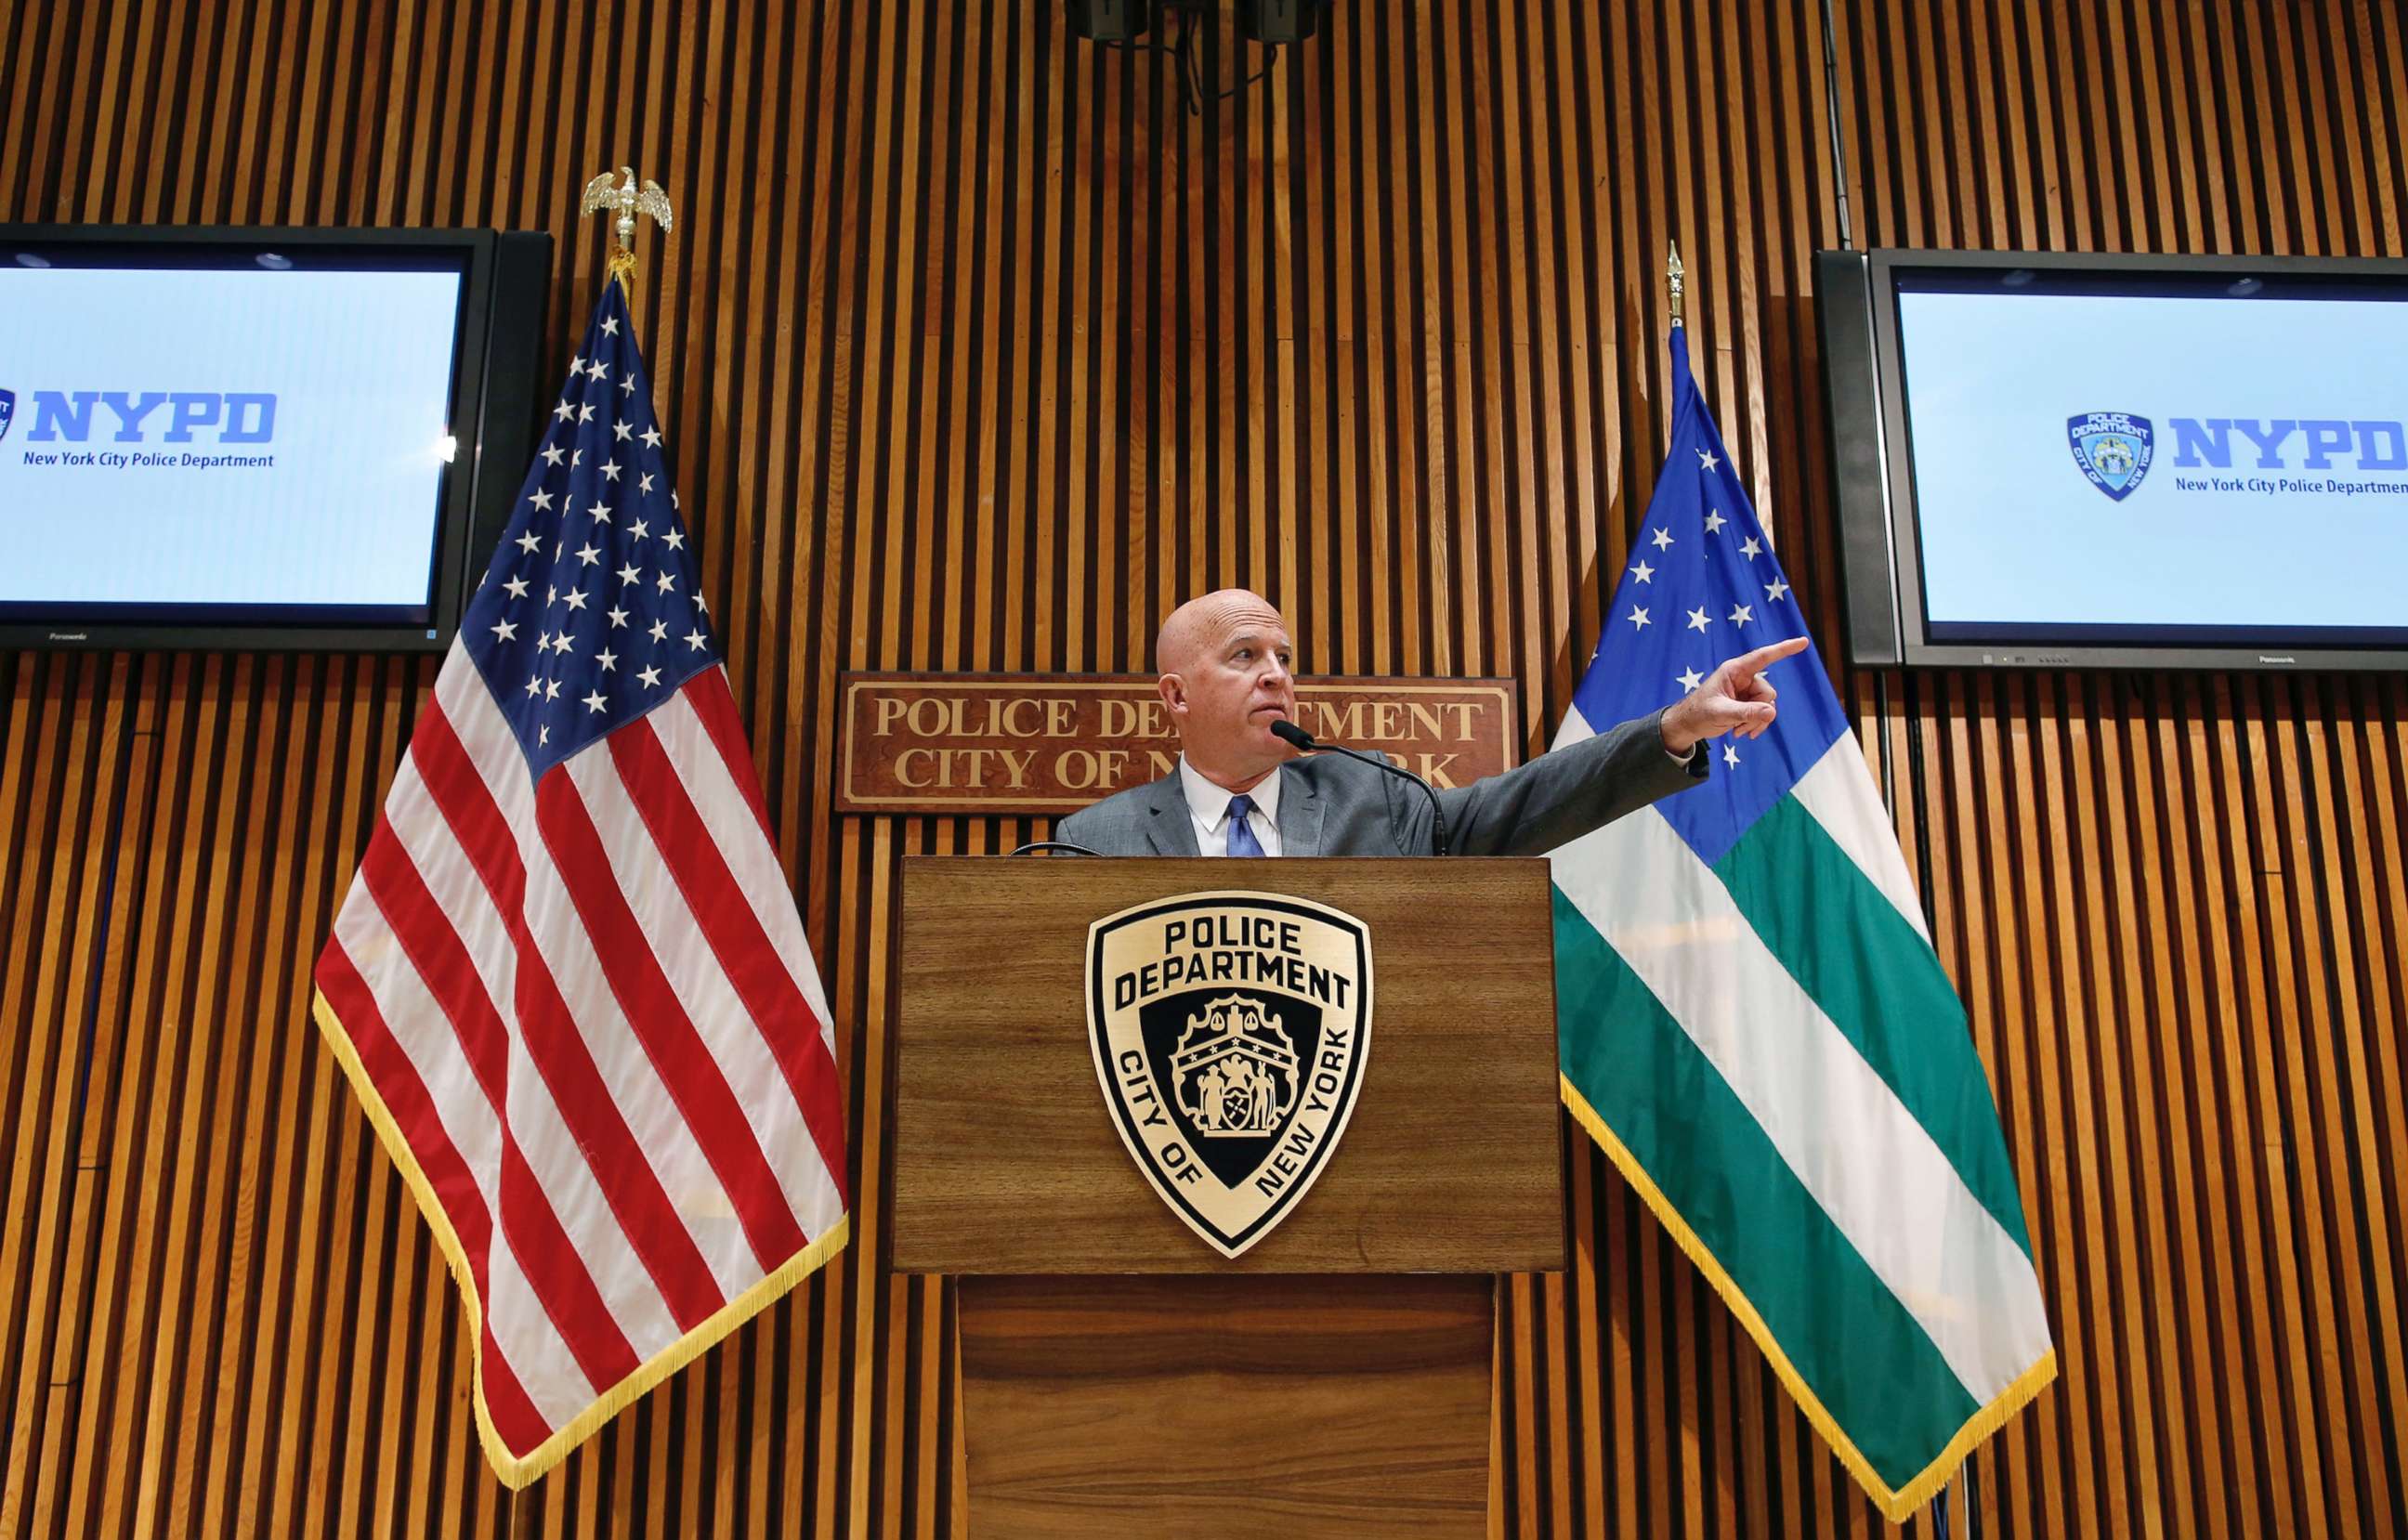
2121	460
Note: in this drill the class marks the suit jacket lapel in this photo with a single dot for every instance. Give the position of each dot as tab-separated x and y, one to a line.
1299	821
1169	827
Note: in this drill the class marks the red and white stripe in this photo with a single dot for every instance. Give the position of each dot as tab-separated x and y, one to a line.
589	1008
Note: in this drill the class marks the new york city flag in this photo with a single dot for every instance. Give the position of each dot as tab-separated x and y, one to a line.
1754	1027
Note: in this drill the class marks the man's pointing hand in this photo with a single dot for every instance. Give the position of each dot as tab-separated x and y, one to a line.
1734	698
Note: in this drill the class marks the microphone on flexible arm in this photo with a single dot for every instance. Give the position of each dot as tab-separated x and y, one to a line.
1035	844
1296	737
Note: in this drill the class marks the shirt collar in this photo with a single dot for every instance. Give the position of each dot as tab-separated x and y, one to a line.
1210	803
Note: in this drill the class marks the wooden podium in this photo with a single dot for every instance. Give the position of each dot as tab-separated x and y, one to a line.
1119	1376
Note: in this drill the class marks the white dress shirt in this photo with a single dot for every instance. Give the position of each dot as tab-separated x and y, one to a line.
1209	806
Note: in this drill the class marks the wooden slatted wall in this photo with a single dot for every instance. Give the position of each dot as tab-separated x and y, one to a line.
977	351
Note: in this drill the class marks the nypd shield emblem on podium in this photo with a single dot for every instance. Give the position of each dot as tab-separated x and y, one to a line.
8	411
1230	1032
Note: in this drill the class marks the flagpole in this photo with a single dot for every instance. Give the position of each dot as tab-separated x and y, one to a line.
1675	281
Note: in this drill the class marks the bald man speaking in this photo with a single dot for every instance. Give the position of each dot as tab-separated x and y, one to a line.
1239	790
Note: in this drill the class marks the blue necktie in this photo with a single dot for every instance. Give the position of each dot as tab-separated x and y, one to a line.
1241	834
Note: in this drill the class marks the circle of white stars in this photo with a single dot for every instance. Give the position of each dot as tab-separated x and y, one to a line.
1660	540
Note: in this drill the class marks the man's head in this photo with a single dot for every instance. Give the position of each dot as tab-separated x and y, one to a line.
1224	661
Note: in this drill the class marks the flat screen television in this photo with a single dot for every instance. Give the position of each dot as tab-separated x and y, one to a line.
2050	459
258	438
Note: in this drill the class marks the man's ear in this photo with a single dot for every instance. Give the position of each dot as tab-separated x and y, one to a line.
1174	691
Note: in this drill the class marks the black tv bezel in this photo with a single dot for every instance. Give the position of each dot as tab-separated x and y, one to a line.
1873	476
474	423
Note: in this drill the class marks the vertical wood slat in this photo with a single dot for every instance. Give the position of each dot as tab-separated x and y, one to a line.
977	351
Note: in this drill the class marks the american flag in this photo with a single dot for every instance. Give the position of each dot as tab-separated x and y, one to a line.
568	983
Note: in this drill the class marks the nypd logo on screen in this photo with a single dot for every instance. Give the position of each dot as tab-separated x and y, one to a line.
2114	452
126	424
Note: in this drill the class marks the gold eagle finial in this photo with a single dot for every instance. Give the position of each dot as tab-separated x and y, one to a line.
630	199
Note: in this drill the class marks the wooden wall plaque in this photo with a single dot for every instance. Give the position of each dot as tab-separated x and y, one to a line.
1036	744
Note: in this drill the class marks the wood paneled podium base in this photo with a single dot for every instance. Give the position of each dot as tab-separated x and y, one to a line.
1224	1408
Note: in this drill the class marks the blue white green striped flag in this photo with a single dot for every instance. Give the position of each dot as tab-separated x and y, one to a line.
1756	1029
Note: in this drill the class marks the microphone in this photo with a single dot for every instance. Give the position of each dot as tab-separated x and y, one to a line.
1056	845
1296	737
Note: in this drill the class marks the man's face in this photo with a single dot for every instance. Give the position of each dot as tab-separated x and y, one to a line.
1229	682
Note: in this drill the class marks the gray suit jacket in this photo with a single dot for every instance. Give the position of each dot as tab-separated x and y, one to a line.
1330	805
